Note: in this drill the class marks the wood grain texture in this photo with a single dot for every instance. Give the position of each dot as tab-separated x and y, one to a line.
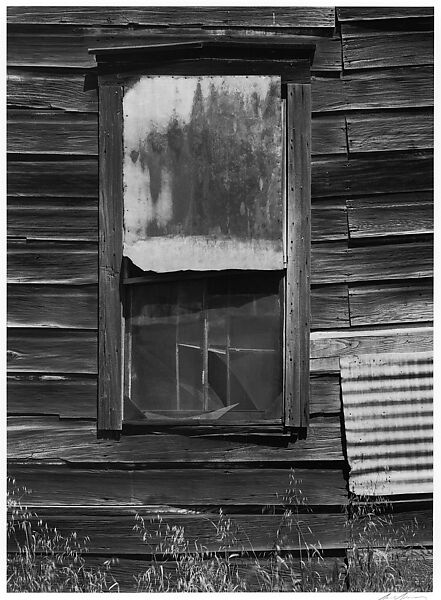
59	262
297	307
62	485
329	220
42	438
330	177
366	49
418	522
401	302
332	263
68	46
325	395
362	13
125	569
77	219
390	214
110	324
394	131
53	218
329	135
329	307
388	88
52	351
73	133
377	174
46	88
62	395
377	341
295	16
76	178
75	307
52	262
111	531
327	94
52	132
71	396
70	307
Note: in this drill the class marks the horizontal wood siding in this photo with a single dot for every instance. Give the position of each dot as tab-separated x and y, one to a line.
62	485
184	17
365	49
75	396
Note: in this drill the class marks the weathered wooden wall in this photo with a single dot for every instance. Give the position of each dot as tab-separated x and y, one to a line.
372	226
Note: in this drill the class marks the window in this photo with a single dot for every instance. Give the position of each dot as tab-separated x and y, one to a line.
204	236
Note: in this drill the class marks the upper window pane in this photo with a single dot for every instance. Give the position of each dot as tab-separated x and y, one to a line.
203	173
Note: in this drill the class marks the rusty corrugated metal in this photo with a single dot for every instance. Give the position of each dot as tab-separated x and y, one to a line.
203	173
388	413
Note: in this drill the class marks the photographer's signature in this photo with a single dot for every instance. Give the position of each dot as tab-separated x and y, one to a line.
402	596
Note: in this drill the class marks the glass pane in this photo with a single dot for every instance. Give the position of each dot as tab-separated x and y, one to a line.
206	349
203	173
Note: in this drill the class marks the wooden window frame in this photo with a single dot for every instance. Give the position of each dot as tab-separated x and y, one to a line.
115	66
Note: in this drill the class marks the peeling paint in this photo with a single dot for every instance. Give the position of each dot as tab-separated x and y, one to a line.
202	173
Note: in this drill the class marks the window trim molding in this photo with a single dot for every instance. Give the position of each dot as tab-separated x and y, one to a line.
298	230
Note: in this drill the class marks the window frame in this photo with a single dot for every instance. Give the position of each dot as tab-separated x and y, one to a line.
115	66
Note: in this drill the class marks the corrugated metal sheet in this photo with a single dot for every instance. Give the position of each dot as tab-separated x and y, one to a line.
388	413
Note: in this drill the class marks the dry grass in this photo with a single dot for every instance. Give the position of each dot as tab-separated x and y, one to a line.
378	560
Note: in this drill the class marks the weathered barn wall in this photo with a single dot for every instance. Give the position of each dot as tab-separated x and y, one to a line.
372	90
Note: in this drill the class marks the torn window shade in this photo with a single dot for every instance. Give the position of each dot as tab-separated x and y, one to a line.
203	173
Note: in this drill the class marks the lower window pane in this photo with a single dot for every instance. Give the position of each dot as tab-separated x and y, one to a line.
205	349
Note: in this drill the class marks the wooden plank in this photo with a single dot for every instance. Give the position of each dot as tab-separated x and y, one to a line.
75	396
329	135
378	132
59	262
68	46
332	263
401	302
329	220
377	174
389	88
327	94
254	574
329	307
71	178
387	528
52	351
325	394
62	395
366	49
75	307
70	307
377	341
28	88
272	17
53	218
76	218
52	262
110	324
52	132
42	438
60	485
390	214
298	310
362	13
111	531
